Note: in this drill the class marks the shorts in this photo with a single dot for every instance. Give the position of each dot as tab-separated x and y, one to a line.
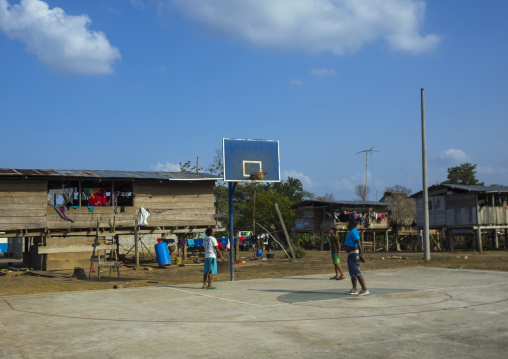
353	264
335	258
210	265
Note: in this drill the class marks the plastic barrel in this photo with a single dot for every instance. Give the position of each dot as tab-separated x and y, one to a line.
162	253
259	253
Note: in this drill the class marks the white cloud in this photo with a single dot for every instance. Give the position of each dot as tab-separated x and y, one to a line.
296	82
487	170
323	72
307	182
343	184
314	25
166	167
453	155
61	42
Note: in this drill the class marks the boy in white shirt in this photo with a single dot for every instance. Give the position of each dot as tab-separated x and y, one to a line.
211	249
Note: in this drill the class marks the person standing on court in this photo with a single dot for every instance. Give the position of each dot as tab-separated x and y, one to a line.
353	247
211	249
335	249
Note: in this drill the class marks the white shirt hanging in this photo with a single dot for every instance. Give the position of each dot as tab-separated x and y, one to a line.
143	215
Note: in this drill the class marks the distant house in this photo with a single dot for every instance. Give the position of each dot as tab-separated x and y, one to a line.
319	216
465	209
65	209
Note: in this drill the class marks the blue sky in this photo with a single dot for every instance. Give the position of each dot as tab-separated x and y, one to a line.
146	84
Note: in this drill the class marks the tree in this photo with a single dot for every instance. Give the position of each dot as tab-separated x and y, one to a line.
327	197
292	188
186	167
220	190
360	192
464	174
399	188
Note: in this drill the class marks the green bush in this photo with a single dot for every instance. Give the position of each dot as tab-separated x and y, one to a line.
299	252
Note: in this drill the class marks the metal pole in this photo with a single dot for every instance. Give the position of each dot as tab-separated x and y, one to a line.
426	239
231	235
366	173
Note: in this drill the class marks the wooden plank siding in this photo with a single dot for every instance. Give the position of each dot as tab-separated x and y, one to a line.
176	203
460	210
437	213
493	216
84	218
304	219
22	204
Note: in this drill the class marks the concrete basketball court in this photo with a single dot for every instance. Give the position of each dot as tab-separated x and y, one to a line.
410	313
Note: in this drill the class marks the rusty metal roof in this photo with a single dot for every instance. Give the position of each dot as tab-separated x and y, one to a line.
89	174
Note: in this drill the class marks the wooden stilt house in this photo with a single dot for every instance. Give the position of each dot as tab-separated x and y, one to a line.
317	217
60	212
466	211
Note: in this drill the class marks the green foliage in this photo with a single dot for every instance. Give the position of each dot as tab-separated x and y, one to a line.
186	167
465	174
299	252
263	208
327	197
292	189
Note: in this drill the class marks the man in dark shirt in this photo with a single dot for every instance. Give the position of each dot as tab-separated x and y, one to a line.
335	249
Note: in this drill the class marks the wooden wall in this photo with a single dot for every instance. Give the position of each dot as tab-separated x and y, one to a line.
84	218
304	219
460	210
437	212
176	203
493	216
22	204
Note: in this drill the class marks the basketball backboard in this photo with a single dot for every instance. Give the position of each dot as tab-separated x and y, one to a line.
242	158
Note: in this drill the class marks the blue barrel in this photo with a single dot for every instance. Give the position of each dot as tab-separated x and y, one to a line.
259	253
162	253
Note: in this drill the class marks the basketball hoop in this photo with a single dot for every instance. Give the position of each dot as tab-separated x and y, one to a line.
257	176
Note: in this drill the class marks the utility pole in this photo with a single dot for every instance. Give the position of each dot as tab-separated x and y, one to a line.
426	237
370	150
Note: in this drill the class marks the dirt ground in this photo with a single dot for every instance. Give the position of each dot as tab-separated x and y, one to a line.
15	280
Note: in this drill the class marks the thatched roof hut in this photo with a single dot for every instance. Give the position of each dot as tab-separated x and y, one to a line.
403	213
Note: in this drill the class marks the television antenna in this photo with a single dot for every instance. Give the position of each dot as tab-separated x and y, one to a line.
370	150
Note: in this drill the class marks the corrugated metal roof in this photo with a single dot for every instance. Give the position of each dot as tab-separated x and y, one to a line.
466	188
479	188
343	203
172	176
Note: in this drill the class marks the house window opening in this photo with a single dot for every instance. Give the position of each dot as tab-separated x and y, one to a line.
90	193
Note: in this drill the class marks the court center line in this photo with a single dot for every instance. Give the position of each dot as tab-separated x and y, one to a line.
211	296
